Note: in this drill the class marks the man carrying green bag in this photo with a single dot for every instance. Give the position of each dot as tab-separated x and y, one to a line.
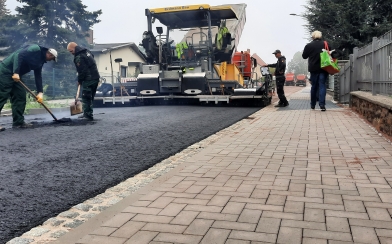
318	75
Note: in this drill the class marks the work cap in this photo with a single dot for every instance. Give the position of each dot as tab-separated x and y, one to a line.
54	53
276	51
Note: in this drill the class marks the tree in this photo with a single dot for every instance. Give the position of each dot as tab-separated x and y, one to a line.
51	23
350	23
3	9
298	65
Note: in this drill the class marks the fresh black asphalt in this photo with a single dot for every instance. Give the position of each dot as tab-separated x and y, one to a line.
52	167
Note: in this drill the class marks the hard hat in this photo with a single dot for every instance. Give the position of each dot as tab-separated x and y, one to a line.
54	53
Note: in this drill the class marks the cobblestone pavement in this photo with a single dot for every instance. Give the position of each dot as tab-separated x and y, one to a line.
284	175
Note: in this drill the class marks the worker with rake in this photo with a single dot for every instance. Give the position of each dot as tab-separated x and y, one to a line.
17	64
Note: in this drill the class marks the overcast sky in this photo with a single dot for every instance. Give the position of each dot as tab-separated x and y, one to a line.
268	26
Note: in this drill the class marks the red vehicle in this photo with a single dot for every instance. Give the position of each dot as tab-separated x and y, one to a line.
290	79
301	80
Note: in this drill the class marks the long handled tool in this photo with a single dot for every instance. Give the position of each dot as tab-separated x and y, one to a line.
47	109
76	108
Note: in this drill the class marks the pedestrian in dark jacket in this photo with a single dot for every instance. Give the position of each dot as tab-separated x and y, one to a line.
17	64
280	68
88	77
318	76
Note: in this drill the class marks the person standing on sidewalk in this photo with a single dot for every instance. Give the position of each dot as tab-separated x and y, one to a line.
280	68
88	77
17	64
318	76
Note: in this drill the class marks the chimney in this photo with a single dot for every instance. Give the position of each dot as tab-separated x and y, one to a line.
90	38
248	50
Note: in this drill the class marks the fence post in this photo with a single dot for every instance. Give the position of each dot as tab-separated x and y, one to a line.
53	78
354	70
373	65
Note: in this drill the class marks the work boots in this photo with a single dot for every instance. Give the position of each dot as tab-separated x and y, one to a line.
85	117
22	126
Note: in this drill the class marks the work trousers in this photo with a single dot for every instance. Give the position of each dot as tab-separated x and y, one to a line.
89	88
9	89
279	89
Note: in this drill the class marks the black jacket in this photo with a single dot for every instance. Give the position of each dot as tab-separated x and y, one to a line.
280	66
85	65
25	59
312	52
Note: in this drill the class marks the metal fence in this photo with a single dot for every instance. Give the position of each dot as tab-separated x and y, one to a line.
369	69
58	83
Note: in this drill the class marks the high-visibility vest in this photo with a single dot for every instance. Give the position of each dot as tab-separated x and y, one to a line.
180	48
221	33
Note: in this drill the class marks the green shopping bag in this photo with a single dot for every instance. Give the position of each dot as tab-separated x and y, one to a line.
327	62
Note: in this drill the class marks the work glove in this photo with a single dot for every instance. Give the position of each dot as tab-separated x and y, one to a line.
40	97
16	77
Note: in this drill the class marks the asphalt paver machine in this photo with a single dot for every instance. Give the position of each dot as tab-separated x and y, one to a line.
198	69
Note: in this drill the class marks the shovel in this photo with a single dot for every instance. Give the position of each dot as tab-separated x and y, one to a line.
76	108
47	109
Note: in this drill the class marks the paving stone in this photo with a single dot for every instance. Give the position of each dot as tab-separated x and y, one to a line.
294	207
233	208
218	216
102	239
364	234
314	241
384	232
252	236
378	214
317	193
303	224
257	193
219	201
371	223
386	197
128	229
178	238
172	209
119	220
264	207
232	241
276	200
199	227
250	216
160	202
142	237
167	228
234	225
344	214
289	235
330	235
314	215
152	218
333	199
184	218
268	225
305	199
201	208
354	206
216	236
337	224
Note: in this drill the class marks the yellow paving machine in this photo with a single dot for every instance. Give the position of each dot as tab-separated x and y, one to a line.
198	69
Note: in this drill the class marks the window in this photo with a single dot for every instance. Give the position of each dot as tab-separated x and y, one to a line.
124	71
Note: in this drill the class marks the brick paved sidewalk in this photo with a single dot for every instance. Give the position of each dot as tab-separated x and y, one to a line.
289	175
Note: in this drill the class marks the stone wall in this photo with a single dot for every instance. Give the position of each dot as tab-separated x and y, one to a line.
376	109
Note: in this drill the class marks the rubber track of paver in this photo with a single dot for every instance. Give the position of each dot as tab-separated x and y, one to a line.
48	169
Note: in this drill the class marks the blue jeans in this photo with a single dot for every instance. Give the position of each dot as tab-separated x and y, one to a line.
318	83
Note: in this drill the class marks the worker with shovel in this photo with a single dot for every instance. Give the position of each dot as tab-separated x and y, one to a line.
17	64
88	77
